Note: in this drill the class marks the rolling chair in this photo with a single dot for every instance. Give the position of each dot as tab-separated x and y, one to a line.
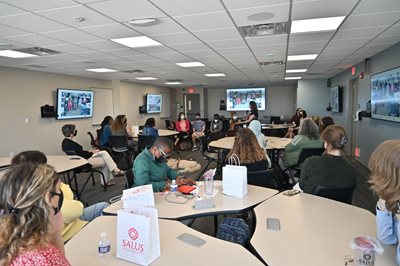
120	152
344	195
93	142
145	142
84	169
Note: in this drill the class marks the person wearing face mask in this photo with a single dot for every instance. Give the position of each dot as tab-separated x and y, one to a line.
216	125
234	122
150	167
119	126
98	159
199	128
183	127
31	223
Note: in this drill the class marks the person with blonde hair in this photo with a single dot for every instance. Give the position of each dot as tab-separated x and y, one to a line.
331	169
119	126
249	152
30	217
384	164
308	137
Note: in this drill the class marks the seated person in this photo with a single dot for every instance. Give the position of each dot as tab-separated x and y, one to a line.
255	126
98	159
199	128
331	169
385	179
150	167
308	137
252	115
248	151
183	127
106	131
325	122
216	125
295	123
233	123
30	217
120	128
75	217
150	128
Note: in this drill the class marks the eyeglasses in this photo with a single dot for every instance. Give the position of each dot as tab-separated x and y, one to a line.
60	201
163	153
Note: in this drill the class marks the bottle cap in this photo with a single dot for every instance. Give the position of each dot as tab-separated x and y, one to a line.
103	234
173	182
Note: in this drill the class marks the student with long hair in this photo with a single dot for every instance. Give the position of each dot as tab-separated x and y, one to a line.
249	152
331	169
325	122
105	131
119	126
30	219
182	126
252	115
384	164
150	128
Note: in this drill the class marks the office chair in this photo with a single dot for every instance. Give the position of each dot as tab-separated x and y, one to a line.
344	195
275	120
120	152
262	178
87	168
145	142
304	154
93	142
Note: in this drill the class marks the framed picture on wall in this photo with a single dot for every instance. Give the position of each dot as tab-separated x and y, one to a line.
336	99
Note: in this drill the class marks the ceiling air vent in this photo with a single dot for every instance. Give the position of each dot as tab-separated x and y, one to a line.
271	63
38	51
132	71
264	29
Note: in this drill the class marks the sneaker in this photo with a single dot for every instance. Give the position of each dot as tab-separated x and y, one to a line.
194	148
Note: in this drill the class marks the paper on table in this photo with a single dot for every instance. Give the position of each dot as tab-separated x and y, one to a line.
138	196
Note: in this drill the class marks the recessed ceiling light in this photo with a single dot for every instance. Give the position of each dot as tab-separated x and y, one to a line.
316	24
215	75
302	57
261	16
146	78
144	22
290	78
15	54
270	55
296	70
172	83
136	42
190	64
101	70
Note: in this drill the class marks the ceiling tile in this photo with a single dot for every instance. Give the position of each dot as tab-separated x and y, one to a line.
205	21
125	10
270	49
392	31
359	33
310	37
6	31
321	8
14	44
72	36
236	43
280	11
111	31
184	47
307	45
67	16
218	34
175	38
32	23
371	20
240	4
34	5
100	45
372	6
34	40
7	10
184	7
280	39
67	48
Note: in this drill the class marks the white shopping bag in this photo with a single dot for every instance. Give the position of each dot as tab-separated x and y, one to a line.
234	178
138	196
138	235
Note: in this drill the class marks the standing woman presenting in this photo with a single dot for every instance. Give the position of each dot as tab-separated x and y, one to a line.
252	115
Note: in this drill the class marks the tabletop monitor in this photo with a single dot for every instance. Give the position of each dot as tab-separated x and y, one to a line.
153	103
74	104
385	95
238	99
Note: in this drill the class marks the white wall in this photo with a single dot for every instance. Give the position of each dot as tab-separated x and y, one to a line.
280	101
22	92
313	96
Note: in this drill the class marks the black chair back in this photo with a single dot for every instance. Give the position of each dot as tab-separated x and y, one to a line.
308	152
344	195
275	120
119	143
92	139
129	178
262	178
145	142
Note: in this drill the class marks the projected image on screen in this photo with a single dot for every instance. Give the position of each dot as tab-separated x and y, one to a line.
239	99
74	104
385	95
153	103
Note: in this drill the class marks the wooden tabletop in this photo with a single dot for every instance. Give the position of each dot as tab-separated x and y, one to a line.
222	202
81	250
314	231
272	143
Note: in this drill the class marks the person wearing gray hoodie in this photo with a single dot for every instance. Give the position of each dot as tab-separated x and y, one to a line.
255	126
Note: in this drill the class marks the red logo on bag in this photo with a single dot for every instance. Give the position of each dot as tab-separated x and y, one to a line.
133	234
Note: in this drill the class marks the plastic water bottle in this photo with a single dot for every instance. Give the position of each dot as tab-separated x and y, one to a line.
174	186
104	245
209	185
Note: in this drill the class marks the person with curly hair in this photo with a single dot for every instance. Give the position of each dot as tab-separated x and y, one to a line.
30	217
384	164
249	152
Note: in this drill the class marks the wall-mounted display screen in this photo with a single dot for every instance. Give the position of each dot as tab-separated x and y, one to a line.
153	103
74	104
238	99
385	95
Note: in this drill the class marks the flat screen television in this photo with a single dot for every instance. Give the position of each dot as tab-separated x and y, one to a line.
153	103
74	104
238	99
385	95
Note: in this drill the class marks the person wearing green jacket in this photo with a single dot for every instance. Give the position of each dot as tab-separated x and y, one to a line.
308	137
150	166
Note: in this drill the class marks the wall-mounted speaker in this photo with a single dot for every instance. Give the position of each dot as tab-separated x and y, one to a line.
47	111
328	82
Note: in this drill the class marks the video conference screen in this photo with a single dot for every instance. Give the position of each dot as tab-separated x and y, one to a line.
239	99
74	104
153	103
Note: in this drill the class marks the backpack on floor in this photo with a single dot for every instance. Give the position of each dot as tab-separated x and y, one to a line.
234	230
